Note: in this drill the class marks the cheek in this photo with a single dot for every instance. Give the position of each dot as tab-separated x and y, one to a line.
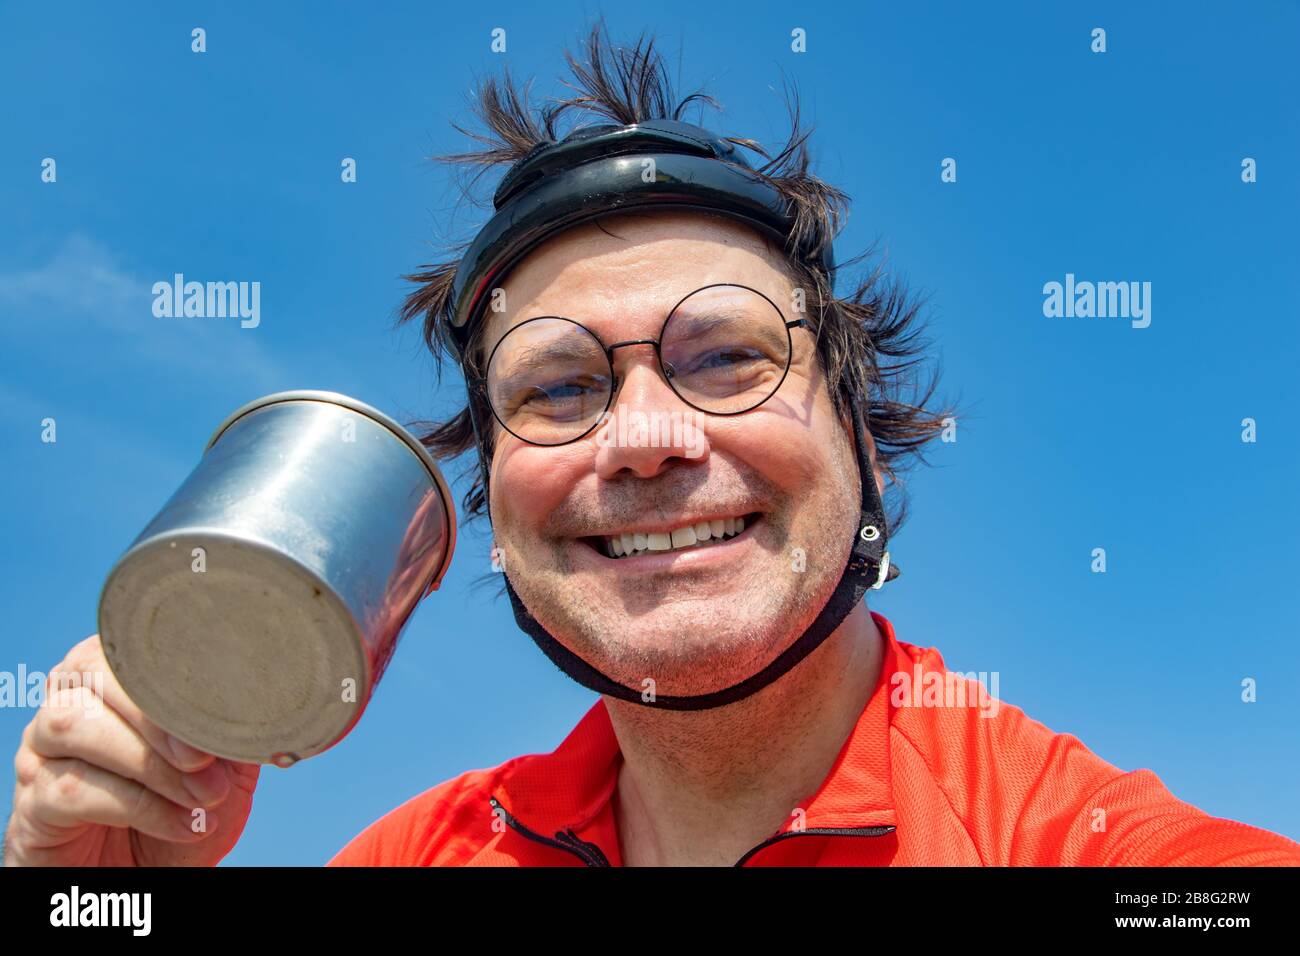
790	456
791	441
530	482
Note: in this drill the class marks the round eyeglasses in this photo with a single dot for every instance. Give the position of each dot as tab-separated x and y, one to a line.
724	349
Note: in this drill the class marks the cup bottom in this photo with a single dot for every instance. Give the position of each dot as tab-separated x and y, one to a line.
252	658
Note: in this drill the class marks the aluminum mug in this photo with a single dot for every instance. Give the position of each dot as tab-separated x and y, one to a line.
254	615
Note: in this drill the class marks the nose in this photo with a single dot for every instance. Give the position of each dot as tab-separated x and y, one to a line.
648	426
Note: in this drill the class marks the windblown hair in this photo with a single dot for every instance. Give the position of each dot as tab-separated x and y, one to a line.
868	341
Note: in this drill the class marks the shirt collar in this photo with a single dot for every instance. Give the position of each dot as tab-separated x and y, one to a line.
573	786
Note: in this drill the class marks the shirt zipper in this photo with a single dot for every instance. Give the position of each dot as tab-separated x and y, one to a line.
818	831
592	855
587	852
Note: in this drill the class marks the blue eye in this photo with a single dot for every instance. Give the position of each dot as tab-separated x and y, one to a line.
566	390
727	358
559	397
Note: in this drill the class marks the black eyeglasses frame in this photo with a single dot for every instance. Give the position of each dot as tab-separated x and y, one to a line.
608	351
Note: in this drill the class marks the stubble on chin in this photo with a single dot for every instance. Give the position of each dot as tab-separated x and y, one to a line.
689	646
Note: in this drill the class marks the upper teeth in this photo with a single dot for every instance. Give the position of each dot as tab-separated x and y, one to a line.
639	542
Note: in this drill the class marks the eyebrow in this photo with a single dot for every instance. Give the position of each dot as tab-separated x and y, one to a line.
537	357
699	324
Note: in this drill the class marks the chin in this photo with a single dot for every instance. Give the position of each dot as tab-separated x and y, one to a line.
679	646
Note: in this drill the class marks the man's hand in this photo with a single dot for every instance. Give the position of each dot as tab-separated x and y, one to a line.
100	785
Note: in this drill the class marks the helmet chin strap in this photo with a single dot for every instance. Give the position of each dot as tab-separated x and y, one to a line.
867	567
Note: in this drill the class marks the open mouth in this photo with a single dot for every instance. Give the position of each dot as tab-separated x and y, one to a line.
699	534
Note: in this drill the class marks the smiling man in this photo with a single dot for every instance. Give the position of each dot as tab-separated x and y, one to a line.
677	424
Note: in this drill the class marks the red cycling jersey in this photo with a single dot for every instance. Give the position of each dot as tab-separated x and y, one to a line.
932	774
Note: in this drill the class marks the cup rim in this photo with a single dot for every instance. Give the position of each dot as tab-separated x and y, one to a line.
338	398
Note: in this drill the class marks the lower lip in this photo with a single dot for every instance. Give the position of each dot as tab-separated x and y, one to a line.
687	558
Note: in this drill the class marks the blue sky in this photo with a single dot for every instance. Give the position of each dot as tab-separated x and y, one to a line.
1085	433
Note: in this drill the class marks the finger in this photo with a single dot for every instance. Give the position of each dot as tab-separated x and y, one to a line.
70	793
243	776
69	726
87	662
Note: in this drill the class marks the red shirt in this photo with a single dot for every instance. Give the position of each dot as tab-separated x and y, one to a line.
922	780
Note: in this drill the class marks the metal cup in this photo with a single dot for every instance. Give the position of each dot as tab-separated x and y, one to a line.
254	615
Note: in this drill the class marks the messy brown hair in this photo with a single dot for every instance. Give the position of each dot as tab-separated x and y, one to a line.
868	341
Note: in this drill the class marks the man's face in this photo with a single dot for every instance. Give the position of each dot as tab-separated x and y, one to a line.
700	618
